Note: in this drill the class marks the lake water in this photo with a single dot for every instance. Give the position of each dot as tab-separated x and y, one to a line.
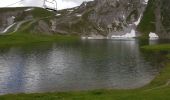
84	65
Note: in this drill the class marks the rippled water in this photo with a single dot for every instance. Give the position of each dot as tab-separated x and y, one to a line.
92	64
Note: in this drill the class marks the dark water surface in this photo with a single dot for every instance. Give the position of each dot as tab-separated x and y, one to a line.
91	64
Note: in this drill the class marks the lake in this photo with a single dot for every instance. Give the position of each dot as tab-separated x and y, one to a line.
82	65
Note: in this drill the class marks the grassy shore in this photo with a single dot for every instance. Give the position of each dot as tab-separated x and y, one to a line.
157	48
158	89
22	39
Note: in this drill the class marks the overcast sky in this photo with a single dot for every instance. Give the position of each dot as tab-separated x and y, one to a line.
61	4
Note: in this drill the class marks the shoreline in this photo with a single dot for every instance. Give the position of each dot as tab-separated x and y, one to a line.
23	39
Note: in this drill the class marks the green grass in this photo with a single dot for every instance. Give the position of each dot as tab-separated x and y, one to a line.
22	39
21	14
157	48
41	13
158	89
147	23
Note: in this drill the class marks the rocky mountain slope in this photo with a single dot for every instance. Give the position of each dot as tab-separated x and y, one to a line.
95	19
101	18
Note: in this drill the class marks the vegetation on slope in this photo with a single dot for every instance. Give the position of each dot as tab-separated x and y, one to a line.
147	23
158	48
36	12
165	14
22	39
40	13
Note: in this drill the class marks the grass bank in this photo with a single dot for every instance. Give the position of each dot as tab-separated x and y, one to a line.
158	89
157	48
22	39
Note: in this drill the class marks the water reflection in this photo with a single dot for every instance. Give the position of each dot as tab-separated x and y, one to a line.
92	64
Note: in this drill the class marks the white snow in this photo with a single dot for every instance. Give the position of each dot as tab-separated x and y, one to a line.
132	34
58	14
71	10
83	37
8	28
89	37
79	15
93	36
49	9
29	9
13	17
153	36
124	17
145	2
138	21
85	3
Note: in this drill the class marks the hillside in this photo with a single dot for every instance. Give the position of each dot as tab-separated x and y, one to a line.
94	19
25	20
89	19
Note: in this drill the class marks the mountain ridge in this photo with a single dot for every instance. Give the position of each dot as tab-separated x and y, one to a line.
94	19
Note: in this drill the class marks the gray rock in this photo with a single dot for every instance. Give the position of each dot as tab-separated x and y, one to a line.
104	17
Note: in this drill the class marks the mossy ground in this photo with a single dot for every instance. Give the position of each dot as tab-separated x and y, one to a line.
158	89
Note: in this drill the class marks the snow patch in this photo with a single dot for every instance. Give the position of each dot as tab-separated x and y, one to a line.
79	15
8	28
138	21
50	10
29	9
58	15
13	17
83	37
93	36
124	17
153	36
88	37
132	34
145	2
71	10
85	3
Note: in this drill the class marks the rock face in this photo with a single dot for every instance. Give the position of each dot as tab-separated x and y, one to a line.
102	17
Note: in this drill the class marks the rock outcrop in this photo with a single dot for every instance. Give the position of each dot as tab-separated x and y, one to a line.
102	17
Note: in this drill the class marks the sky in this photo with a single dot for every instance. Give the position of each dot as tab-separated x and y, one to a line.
61	4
